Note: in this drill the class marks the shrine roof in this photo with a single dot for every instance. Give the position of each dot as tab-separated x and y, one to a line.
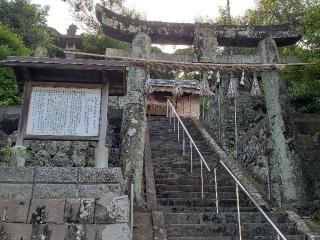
75	71
192	84
125	28
62	63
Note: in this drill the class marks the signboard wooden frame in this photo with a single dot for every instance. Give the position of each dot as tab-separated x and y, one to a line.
103	124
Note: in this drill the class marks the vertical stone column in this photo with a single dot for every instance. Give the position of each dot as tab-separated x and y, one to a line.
134	119
287	165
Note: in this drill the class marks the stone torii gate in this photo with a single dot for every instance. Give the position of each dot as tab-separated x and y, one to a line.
206	38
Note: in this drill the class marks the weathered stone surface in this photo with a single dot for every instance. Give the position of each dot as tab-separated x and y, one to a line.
287	166
120	231
142	226
15	231
56	175
16	174
14	211
61	160
125	29
55	191
112	209
79	210
134	119
99	190
159	230
47	211
76	231
305	141
98	175
17	191
40	232
57	231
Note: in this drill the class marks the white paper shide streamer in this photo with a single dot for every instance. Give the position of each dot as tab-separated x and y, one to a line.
255	91
177	90
205	88
232	90
242	78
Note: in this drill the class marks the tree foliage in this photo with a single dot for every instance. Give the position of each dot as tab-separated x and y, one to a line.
10	45
97	43
27	20
84	11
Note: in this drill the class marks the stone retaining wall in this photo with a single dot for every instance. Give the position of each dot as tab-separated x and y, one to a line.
256	151
59	153
54	203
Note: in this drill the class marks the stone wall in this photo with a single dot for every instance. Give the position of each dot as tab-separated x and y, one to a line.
63	203
308	142
249	111
256	152
59	153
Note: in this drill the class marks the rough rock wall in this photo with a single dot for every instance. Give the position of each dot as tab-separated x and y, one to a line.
60	153
249	112
256	152
308	142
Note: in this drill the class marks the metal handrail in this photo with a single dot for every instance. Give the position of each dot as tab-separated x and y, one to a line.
254	201
238	183
185	129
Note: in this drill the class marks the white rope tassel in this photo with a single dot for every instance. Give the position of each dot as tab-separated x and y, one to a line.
242	78
218	77
148	87
232	91
255	91
205	88
177	91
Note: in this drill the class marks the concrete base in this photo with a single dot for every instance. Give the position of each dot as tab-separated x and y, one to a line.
101	157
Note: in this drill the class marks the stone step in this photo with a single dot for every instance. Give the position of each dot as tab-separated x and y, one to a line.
248	230
191	188
198	202
289	237
170	209
186	181
201	238
224	217
207	195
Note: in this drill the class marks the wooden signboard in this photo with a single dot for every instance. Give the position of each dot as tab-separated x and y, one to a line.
64	112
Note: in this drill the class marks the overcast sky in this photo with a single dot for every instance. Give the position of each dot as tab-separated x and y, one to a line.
161	10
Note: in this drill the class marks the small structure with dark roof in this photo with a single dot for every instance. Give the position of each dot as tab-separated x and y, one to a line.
187	105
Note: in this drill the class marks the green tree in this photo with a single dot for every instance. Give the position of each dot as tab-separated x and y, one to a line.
28	21
84	11
97	43
10	45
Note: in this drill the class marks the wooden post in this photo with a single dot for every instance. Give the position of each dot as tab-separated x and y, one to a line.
23	115
102	152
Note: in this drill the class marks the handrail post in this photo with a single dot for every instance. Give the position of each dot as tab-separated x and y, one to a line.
131	209
191	166
167	109
183	144
174	124
178	131
216	188
238	211
202	182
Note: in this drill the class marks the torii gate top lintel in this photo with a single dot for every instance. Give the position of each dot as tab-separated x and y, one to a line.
125	28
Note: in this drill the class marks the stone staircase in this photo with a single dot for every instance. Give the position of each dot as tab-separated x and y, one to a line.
188	216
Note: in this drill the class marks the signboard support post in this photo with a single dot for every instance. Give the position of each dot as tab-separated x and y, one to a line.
102	152
23	117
